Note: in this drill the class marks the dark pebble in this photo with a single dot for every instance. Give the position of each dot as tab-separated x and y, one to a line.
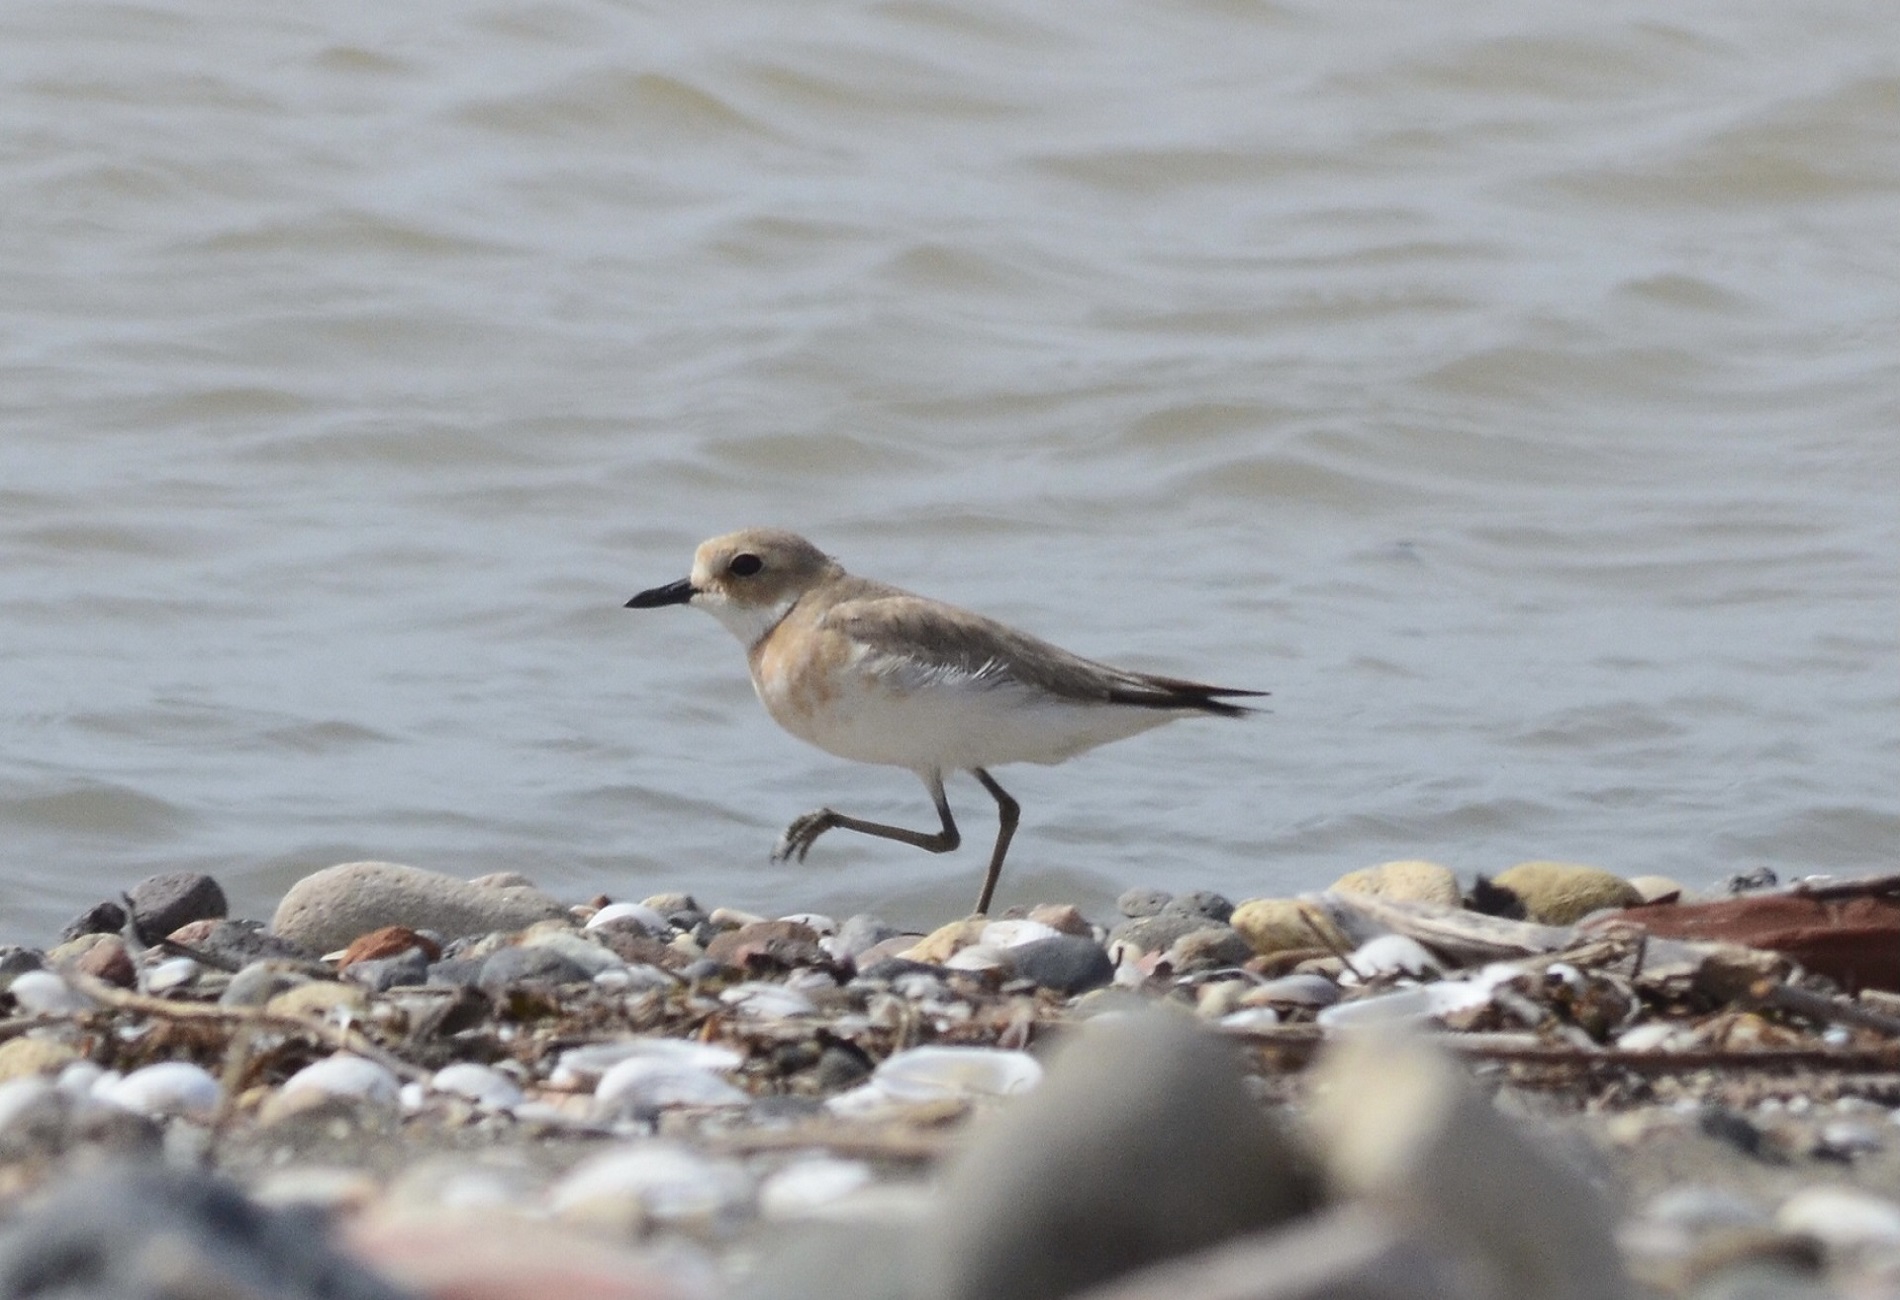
1157	933
380	974
162	903
1142	902
1202	902
841	1067
102	1235
456	972
506	967
100	918
1066	963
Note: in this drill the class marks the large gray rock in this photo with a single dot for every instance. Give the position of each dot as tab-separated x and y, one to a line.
1141	1144
326	910
1403	1128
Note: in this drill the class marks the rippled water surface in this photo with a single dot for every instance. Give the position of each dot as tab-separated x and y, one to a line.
1511	388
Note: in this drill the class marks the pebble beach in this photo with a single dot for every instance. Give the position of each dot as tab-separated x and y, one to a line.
407	1084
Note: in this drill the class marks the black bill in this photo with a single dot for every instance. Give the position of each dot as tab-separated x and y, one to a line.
673	593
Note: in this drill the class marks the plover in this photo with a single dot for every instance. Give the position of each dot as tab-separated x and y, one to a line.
872	673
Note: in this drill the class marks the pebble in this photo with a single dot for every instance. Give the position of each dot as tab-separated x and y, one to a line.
1142	902
1210	948
1014	932
171	899
484	1085
1275	925
858	935
764	1000
1409	879
1204	903
649	919
941	944
108	960
42	993
1295	991
1563	893
1158	932
170	1088
329	908
931	1073
1841	1218
1399	1008
1067	963
584	1067
1391	955
346	1076
509	967
1063	918
653	1183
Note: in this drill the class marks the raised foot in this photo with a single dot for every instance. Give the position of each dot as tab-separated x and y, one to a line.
804	831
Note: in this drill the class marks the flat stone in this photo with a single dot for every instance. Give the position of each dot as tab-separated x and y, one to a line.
1203	903
328	909
1209	948
380	974
1140	1144
768	945
320	999
259	982
162	903
1066	963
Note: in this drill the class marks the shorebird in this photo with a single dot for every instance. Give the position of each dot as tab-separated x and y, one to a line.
875	674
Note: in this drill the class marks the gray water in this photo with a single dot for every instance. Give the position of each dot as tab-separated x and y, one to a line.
1510	388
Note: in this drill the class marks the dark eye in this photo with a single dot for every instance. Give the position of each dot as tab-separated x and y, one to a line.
745	564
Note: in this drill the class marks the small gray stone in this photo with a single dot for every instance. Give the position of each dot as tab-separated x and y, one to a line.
162	903
261	981
512	966
380	974
1157	933
1141	1144
1066	963
1202	902
582	951
1209	948
859	934
1139	902
456	972
328	909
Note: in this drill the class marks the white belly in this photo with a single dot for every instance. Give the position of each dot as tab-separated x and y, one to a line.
950	725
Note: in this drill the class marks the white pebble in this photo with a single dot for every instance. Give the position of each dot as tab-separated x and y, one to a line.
172	973
1250	1018
1653	1037
811	1186
42	993
344	1075
768	1000
1391	954
484	1085
933	1073
582	1067
1841	1217
639	913
78	1079
654	1081
653	1180
168	1088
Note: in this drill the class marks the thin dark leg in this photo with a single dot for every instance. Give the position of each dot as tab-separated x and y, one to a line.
1007	811
798	838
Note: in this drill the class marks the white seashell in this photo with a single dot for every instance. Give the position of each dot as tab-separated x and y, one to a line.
1408	1006
582	1067
762	999
1011	934
1250	1018
811	1186
1841	1217
978	956
168	1088
937	1073
344	1075
42	993
173	973
817	922
639	913
1652	1037
653	1180
654	1082
1392	954
484	1085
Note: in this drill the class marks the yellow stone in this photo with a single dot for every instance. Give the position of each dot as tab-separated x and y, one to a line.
1411	879
27	1055
943	943
1563	893
1272	925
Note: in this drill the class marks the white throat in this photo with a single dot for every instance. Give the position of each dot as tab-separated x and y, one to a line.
747	622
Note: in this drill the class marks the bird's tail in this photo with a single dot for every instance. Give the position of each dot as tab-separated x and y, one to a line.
1149	692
